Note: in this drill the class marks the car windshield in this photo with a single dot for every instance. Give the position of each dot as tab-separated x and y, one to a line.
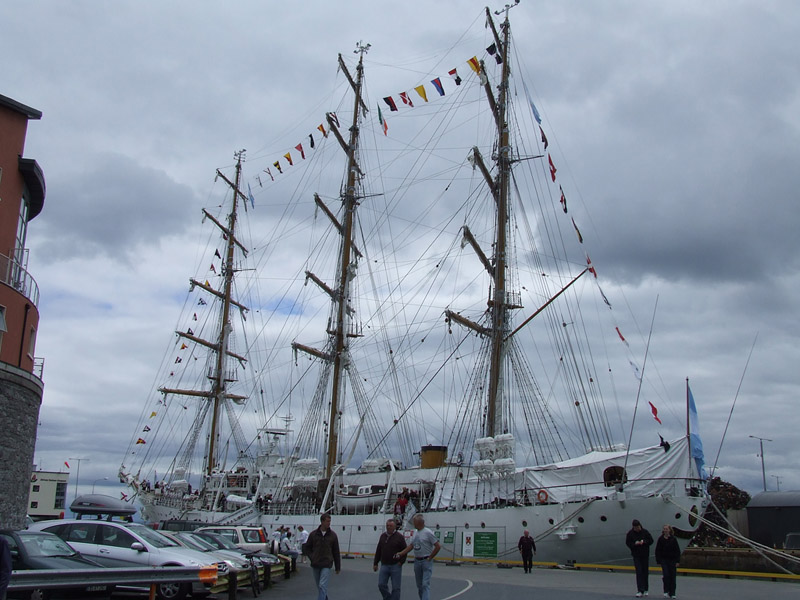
150	536
45	544
221	542
194	542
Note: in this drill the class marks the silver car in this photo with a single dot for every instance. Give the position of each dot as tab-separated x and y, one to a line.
117	544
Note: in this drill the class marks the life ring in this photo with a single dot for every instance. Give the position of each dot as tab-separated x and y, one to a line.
542	496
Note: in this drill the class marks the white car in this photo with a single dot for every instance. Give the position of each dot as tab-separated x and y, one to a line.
235	561
246	537
116	544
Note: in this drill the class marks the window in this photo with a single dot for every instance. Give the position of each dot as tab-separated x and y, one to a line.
81	532
3	326
34	504
32	343
614	475
114	536
61	494
35	488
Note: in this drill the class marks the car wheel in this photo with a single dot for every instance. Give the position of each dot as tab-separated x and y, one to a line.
172	591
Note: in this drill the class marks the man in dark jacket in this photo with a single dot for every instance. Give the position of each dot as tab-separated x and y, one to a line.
639	541
322	548
527	548
390	543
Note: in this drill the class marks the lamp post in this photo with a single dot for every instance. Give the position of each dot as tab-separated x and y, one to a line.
763	471
777	481
96	480
78	474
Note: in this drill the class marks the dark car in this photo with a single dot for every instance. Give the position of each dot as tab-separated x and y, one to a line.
39	550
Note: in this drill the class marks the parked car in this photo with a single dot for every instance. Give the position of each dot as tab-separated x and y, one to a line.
267	560
117	544
792	541
251	538
39	550
234	560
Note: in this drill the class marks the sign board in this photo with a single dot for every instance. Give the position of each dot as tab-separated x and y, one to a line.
449	537
485	544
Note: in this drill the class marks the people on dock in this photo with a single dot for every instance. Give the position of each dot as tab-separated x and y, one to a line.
390	543
287	547
322	548
527	548
639	541
426	547
668	554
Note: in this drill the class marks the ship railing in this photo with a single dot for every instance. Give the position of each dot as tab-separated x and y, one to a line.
15	275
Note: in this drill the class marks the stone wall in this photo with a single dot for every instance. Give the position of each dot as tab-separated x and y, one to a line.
20	399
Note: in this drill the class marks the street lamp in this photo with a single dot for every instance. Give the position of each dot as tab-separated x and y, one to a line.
78	474
777	481
763	472
96	480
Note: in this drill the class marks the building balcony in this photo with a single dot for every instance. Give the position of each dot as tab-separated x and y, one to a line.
14	275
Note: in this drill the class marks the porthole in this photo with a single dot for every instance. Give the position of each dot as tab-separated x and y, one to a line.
374	528
344	528
359	527
677	515
524	523
483	525
550	521
437	526
603	518
466	525
693	516
580	519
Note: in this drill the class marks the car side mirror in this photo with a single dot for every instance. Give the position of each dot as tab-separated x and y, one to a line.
14	554
138	546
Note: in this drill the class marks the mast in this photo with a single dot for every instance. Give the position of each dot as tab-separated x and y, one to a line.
346	273
340	330
218	377
499	303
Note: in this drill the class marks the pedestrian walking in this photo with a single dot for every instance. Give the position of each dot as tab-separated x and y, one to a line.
5	566
390	544
668	555
302	538
426	547
639	541
527	548
322	549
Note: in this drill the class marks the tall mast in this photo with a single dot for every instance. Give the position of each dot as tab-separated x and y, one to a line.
218	377
346	273
499	302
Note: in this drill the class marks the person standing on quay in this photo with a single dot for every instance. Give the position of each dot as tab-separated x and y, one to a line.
527	548
390	544
425	546
639	541
668	553
322	549
302	538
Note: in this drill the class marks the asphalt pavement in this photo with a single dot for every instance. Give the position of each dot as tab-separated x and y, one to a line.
474	582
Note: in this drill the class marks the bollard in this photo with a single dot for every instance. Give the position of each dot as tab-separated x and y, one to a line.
267	576
233	584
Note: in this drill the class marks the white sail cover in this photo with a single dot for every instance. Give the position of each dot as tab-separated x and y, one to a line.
650	471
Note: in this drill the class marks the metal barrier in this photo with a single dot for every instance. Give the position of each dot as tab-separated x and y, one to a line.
135	576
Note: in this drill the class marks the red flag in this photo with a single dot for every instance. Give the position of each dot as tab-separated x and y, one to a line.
552	167
406	100
619	333
591	268
655	413
454	73
544	137
66	463
299	147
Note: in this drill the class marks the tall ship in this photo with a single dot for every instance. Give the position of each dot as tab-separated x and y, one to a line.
433	351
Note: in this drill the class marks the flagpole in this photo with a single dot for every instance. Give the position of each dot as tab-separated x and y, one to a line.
688	427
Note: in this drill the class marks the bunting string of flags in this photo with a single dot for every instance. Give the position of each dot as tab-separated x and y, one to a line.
406	99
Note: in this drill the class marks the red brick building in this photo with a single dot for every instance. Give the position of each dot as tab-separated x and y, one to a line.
22	191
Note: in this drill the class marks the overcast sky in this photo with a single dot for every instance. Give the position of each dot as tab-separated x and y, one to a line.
680	121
